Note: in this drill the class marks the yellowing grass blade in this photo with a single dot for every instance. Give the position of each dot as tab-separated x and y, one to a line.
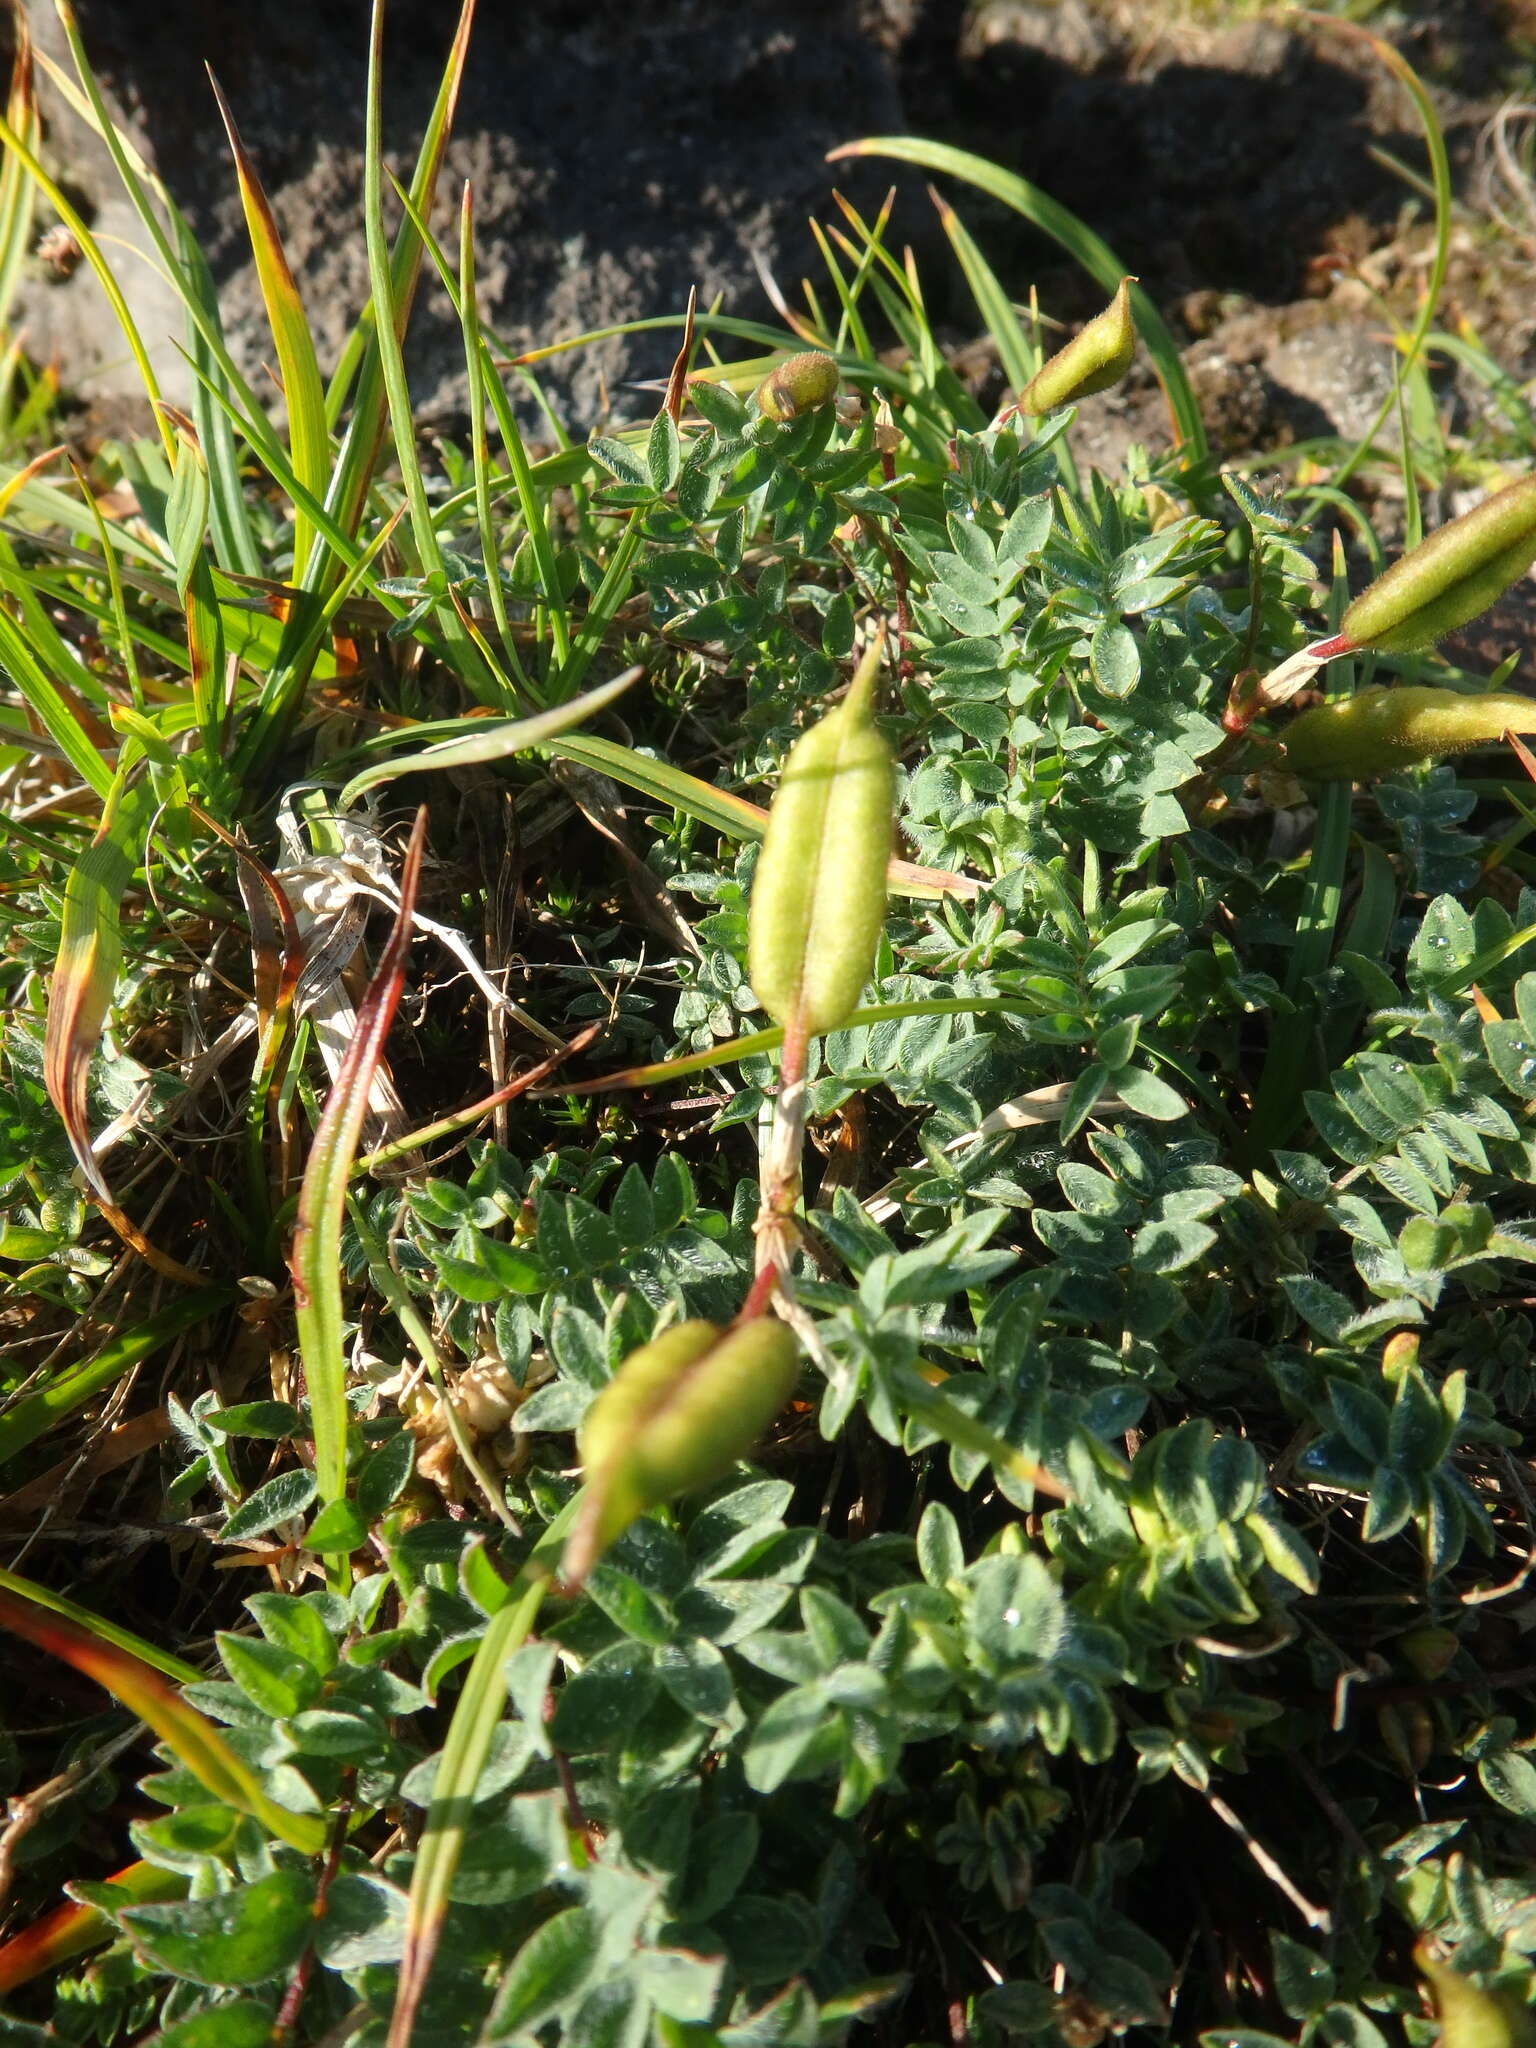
315	1258
16	189
191	1736
80	998
71	1929
309	441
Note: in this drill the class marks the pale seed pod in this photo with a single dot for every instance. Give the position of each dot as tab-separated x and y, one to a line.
1093	360
799	384
676	1415
1378	732
1471	2017
1449	578
818	900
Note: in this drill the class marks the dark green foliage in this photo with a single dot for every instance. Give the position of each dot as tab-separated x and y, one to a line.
1058	1670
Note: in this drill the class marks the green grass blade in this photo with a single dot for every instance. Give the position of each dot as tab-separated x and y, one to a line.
1440	173
492	739
90	249
731	815
36	1413
98	1625
485	377
474	374
459	1770
1074	235
315	1258
362	361
389	323
1018	355
55	716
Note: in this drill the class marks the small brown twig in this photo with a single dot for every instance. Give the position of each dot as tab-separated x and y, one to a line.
293	1997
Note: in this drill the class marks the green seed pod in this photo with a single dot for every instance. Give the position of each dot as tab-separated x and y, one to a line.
818	902
1091	361
676	1415
1471	2017
1378	732
1449	578
799	384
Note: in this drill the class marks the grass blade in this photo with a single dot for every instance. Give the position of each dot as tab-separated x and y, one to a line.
16	188
309	440
1074	235
192	1737
45	699
389	324
90	249
36	1413
485	377
1440	172
459	1768
72	1930
315	1258
492	739
732	815
80	998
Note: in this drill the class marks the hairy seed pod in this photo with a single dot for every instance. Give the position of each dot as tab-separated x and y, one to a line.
798	385
676	1415
818	900
1093	360
1378	732
1449	578
1471	2017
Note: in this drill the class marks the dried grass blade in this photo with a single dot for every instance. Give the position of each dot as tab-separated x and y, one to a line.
191	1736
277	961
315	1258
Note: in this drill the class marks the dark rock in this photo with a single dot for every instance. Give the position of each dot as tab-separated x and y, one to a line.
619	154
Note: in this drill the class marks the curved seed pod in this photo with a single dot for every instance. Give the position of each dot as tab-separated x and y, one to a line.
818	901
1471	2017
1091	361
1378	732
1449	578
798	384
677	1414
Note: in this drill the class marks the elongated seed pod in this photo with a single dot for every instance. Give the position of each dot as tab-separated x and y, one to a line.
1471	2017
799	384
1093	360
818	900
1449	578
676	1415
1378	732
